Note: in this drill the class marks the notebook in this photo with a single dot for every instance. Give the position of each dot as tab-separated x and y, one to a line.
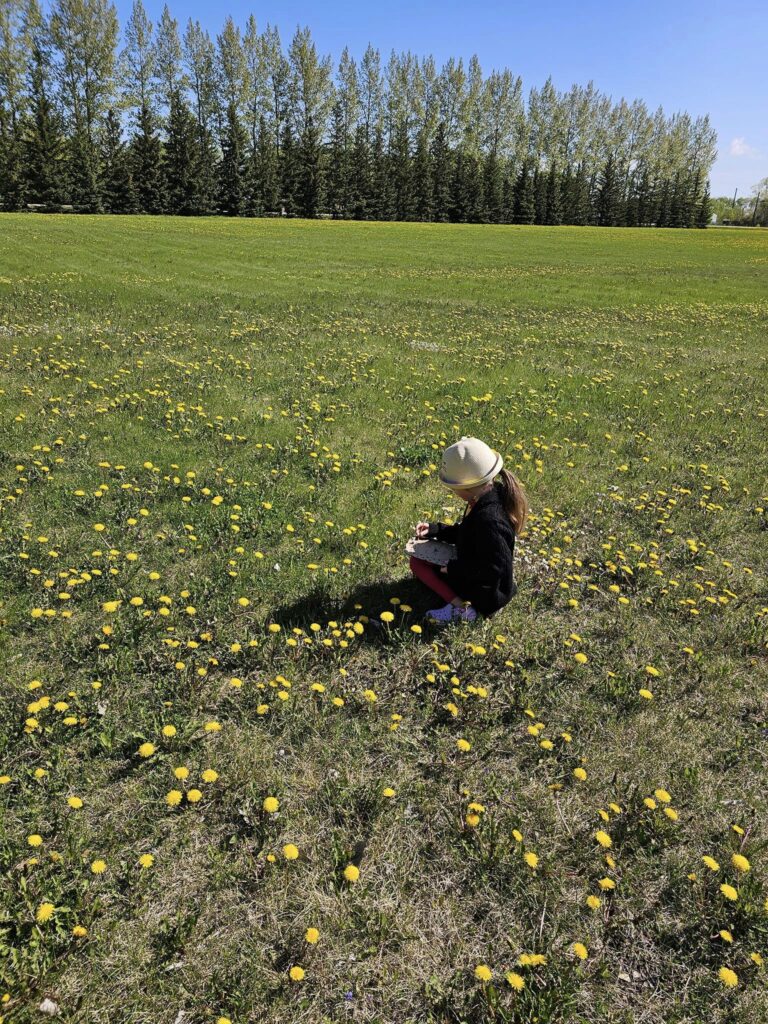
435	551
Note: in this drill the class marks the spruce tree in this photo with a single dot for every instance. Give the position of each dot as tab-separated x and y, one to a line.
43	141
524	209
644	198
401	172
540	195
422	179
582	210
608	198
493	187
440	163
181	159
262	173
117	190
232	192
82	173
662	203
382	198
507	194
704	211
360	175
337	185
147	171
554	213
309	171
677	203
288	173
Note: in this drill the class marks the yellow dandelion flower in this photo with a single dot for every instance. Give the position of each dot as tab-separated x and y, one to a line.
729	892
146	860
311	935
517	981
463	745
209	775
483	972
290	852
169	731
580	774
271	804
531	859
45	912
173	798
296	973
98	867
728	977
711	863
351	873
740	862
593	902
194	796
388	792
35	840
580	950
662	796
603	839
75	802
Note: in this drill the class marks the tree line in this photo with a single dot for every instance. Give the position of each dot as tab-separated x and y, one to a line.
163	120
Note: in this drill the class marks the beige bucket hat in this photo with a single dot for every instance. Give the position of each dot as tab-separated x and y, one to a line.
469	463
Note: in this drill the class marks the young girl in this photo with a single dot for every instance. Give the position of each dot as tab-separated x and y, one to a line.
480	579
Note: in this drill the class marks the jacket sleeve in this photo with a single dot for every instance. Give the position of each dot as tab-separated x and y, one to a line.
444	532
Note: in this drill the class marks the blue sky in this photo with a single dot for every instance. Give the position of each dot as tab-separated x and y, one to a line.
705	57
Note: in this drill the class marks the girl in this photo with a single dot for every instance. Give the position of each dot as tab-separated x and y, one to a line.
480	578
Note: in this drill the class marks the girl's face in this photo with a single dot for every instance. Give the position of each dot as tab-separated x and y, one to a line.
468	493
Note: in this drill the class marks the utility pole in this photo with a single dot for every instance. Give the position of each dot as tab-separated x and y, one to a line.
754	212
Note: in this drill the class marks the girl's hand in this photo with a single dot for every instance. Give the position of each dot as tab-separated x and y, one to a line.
421	530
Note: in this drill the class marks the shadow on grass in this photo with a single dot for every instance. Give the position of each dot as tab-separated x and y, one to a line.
368	599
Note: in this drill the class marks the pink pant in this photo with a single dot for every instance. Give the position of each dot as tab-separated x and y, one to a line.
434	579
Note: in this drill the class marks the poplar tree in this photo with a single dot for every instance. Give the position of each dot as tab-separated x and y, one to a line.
43	140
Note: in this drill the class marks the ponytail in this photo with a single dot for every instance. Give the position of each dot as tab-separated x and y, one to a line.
514	499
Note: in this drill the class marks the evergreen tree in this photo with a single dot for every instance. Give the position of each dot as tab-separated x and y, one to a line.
524	209
677	203
233	166
82	167
262	176
440	164
704	211
540	195
360	175
338	166
116	182
554	213
508	194
662	203
288	172
582	209
608	195
493	187
147	171
401	172
644	201
422	179
43	142
382	199
181	159
309	172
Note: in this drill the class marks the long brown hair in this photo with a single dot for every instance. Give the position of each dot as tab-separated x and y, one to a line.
514	499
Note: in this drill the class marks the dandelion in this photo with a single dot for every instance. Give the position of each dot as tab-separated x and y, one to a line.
483	972
463	745
146	860
740	862
593	902
725	935
603	839
311	935
45	912
517	981
209	775
169	731
173	798
671	813
756	959
662	796
645	694
98	867
388	792
580	950
580	774
35	840
650	803
194	796
531	859
729	892
728	977
581	658
146	749
711	863
212	727
351	873
532	959
75	802
271	804
386	617
296	973
290	852
181	772
79	931
606	883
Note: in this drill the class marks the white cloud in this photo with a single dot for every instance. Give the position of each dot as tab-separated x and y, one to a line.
740	147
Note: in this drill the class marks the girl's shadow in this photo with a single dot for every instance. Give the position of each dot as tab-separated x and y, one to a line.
369	599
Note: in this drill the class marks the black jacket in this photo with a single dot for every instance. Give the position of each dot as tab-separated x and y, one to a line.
482	572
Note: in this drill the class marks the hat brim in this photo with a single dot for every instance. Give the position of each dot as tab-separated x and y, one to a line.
474	483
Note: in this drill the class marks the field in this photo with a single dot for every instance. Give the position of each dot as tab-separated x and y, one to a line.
216	438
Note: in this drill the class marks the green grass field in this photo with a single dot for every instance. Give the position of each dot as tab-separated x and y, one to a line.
216	438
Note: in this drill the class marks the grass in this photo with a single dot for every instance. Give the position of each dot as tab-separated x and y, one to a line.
229	425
